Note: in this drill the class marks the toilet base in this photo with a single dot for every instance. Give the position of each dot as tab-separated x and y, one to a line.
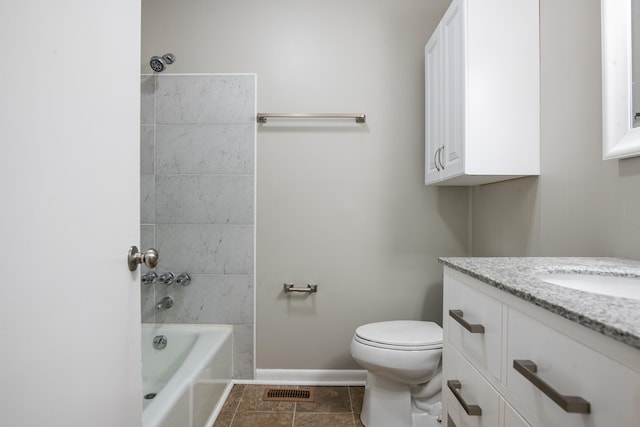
388	403
425	420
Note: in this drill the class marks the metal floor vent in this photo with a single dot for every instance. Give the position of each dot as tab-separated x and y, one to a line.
288	395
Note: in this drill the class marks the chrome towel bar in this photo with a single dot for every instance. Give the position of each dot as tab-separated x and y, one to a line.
359	118
290	287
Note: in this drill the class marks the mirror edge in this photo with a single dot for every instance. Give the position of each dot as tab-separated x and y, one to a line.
620	139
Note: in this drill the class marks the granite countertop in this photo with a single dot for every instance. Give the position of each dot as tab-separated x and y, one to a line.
615	317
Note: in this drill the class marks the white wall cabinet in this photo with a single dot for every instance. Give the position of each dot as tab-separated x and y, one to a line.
482	83
582	367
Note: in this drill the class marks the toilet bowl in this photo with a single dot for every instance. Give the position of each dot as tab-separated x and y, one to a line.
403	363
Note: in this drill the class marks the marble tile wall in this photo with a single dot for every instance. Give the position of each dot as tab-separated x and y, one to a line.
197	200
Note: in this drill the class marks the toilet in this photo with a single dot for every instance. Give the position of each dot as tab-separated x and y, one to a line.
403	363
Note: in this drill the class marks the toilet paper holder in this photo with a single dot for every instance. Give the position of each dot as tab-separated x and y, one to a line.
290	287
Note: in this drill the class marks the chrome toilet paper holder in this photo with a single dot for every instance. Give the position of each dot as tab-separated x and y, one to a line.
290	287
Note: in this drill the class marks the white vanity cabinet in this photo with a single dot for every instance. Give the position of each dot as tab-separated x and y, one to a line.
542	371
483	93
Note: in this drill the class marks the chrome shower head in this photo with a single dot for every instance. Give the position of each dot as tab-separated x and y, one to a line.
159	63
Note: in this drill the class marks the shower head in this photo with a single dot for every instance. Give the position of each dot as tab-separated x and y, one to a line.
159	63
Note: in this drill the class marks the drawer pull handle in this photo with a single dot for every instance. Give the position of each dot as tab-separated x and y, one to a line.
573	404
458	317
454	386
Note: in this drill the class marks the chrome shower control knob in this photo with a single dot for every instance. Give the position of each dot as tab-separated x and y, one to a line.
149	278
148	258
183	279
166	278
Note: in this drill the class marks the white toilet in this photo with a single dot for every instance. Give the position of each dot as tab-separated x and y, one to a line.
403	363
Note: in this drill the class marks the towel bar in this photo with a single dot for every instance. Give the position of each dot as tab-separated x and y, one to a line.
359	118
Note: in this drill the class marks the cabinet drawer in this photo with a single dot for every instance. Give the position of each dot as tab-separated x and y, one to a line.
473	391
470	309
568	368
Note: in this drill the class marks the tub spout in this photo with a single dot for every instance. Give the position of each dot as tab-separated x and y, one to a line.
166	302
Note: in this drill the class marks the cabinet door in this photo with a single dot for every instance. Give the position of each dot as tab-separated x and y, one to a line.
453	72
433	107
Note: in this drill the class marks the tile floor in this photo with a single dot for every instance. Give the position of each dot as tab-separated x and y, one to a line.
333	407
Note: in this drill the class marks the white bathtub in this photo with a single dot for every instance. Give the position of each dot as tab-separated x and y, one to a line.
190	376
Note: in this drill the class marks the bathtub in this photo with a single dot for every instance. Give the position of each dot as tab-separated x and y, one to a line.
190	376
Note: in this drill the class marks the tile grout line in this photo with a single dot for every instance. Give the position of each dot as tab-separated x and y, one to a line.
353	415
293	416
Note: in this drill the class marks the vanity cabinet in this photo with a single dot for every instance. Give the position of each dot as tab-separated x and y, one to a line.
521	365
483	93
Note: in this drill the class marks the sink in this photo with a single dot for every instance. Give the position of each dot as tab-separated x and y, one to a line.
628	287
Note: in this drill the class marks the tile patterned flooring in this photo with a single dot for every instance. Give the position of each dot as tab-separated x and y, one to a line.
333	407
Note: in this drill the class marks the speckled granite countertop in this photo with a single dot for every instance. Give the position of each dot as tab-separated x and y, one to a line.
615	317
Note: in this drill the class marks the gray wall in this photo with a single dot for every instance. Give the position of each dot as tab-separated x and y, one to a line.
580	205
343	207
197	207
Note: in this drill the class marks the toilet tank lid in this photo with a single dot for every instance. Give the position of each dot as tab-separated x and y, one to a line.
402	332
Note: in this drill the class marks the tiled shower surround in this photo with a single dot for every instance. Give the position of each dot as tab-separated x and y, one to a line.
197	200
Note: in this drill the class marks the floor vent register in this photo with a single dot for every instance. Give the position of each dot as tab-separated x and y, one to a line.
288	395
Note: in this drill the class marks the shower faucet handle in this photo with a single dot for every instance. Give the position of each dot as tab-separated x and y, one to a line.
167	278
183	279
149	278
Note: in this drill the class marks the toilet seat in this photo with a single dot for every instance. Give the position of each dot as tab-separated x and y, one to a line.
407	335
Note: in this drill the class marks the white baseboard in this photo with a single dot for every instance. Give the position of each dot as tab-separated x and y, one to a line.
328	377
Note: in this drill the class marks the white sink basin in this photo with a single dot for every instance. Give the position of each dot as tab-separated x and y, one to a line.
628	287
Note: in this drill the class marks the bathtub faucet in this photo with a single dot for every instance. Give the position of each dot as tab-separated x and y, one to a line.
166	302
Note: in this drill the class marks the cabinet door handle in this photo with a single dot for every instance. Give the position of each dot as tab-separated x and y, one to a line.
440	151
435	159
458	317
454	386
573	404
